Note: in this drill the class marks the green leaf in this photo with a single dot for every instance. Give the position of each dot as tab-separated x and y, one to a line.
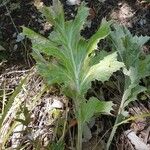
54	14
69	49
94	106
102	33
41	44
54	73
128	46
103	70
73	27
64	58
56	146
44	44
2	48
144	67
48	13
132	93
129	50
96	56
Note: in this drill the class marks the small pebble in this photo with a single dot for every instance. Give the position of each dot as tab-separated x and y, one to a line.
73	2
57	104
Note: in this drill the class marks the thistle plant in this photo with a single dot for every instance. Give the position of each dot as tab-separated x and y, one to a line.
137	67
67	59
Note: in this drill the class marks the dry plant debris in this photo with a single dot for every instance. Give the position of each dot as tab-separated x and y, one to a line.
42	106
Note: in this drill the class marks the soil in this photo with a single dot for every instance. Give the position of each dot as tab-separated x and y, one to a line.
133	14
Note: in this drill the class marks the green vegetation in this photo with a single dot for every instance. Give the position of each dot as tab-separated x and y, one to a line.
72	68
68	60
137	66
71	65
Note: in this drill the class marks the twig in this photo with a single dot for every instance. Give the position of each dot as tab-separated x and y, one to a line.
15	71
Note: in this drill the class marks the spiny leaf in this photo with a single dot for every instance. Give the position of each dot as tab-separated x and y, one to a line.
144	67
54	13
102	33
94	106
103	70
41	44
70	68
129	49
38	39
54	74
97	56
132	93
73	27
70	65
128	46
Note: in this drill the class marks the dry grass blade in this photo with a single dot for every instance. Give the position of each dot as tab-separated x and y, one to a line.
11	100
7	110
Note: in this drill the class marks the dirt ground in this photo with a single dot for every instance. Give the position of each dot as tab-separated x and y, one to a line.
133	14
